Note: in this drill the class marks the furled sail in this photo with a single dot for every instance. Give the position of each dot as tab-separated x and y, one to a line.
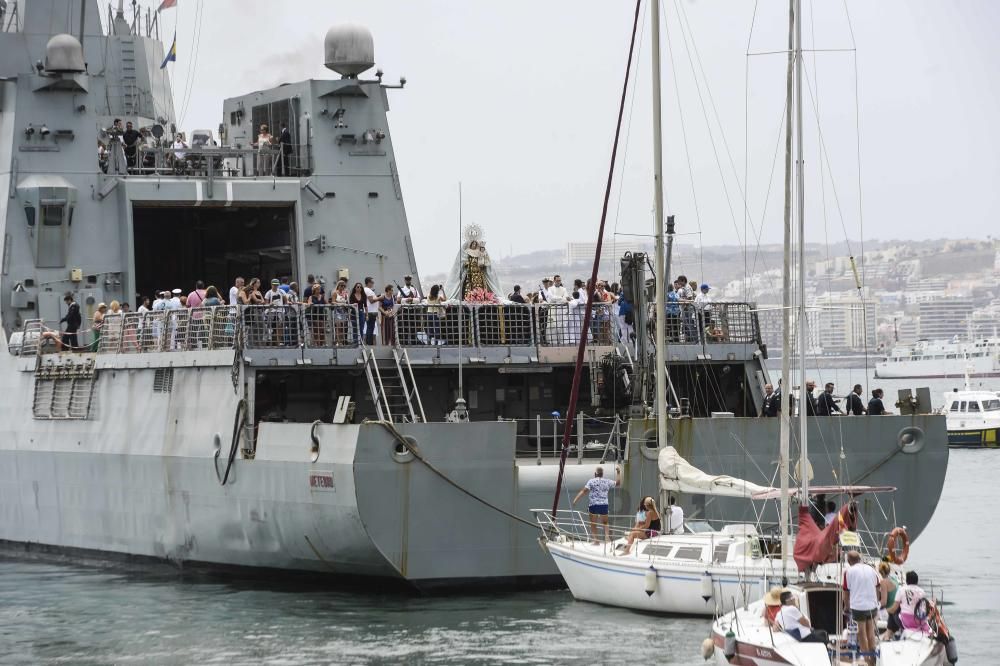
678	475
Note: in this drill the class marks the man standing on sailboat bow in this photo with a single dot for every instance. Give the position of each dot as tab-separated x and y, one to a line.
597	490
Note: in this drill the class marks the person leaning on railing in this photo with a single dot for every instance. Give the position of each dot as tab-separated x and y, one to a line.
316	314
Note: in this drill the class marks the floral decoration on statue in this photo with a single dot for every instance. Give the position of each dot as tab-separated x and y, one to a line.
480	295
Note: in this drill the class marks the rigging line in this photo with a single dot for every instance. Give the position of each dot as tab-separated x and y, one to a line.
824	154
861	216
746	148
708	124
628	124
764	53
684	135
193	62
711	98
588	312
822	172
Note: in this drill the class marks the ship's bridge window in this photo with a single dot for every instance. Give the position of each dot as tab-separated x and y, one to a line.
973	406
991	405
954	406
176	245
961	407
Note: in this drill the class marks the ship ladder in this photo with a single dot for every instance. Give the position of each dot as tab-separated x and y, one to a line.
393	387
130	97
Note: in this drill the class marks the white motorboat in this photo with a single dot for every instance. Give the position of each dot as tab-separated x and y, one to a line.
973	418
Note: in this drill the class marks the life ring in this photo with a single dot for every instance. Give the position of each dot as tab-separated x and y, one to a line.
895	556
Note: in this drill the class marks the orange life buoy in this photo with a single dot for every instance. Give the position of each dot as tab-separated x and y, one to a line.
895	556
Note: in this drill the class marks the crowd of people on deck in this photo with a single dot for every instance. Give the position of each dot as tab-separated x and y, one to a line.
370	313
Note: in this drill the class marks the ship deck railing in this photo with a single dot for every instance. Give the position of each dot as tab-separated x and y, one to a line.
219	162
340	326
723	322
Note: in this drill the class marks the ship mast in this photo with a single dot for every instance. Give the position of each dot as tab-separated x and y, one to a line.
786	306
801	205
660	278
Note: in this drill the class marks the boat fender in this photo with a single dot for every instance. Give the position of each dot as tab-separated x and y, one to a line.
730	646
706	586
707	649
951	651
650	580
894	555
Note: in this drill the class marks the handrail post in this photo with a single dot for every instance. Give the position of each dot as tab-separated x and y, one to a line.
538	438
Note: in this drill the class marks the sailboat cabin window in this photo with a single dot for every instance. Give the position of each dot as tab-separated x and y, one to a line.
688	553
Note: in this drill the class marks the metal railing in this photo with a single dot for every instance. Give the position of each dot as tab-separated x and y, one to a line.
713	323
169	330
218	161
481	326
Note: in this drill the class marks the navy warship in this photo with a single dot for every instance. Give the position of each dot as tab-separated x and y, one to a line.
276	436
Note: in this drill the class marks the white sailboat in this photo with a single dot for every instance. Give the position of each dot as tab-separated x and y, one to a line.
747	635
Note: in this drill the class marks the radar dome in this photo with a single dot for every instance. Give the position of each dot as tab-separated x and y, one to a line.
349	49
63	53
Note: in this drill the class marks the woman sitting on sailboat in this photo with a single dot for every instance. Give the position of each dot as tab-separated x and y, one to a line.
647	523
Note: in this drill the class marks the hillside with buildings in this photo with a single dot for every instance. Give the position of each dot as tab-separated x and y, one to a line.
934	289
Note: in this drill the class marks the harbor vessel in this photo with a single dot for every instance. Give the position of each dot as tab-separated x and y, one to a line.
277	438
973	418
942	359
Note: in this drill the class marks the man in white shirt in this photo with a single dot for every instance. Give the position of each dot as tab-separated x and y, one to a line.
557	292
791	620
861	583
675	524
371	311
409	293
597	490
234	291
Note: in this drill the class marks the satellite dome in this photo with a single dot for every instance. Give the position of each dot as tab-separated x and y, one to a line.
63	53
349	49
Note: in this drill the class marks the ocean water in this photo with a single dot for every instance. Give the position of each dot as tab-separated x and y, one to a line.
70	614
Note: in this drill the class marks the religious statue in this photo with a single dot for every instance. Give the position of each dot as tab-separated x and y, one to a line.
473	277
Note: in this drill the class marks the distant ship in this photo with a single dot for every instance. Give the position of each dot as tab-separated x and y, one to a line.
939	359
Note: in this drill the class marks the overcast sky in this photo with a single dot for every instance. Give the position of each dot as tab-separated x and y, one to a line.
518	99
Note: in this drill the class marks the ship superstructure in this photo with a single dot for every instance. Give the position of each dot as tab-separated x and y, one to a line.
275	437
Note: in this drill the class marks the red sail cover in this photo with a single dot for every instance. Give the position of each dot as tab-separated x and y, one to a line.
818	546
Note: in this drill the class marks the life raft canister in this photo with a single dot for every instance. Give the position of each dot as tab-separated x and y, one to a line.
895	556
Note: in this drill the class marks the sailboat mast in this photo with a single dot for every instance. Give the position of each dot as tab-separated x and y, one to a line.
660	277
786	305
801	205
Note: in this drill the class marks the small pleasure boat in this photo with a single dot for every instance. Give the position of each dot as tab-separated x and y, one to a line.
973	418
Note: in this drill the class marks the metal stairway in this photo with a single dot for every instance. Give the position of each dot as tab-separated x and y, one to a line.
393	388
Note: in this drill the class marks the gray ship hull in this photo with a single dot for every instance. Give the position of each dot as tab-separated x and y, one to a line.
140	480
